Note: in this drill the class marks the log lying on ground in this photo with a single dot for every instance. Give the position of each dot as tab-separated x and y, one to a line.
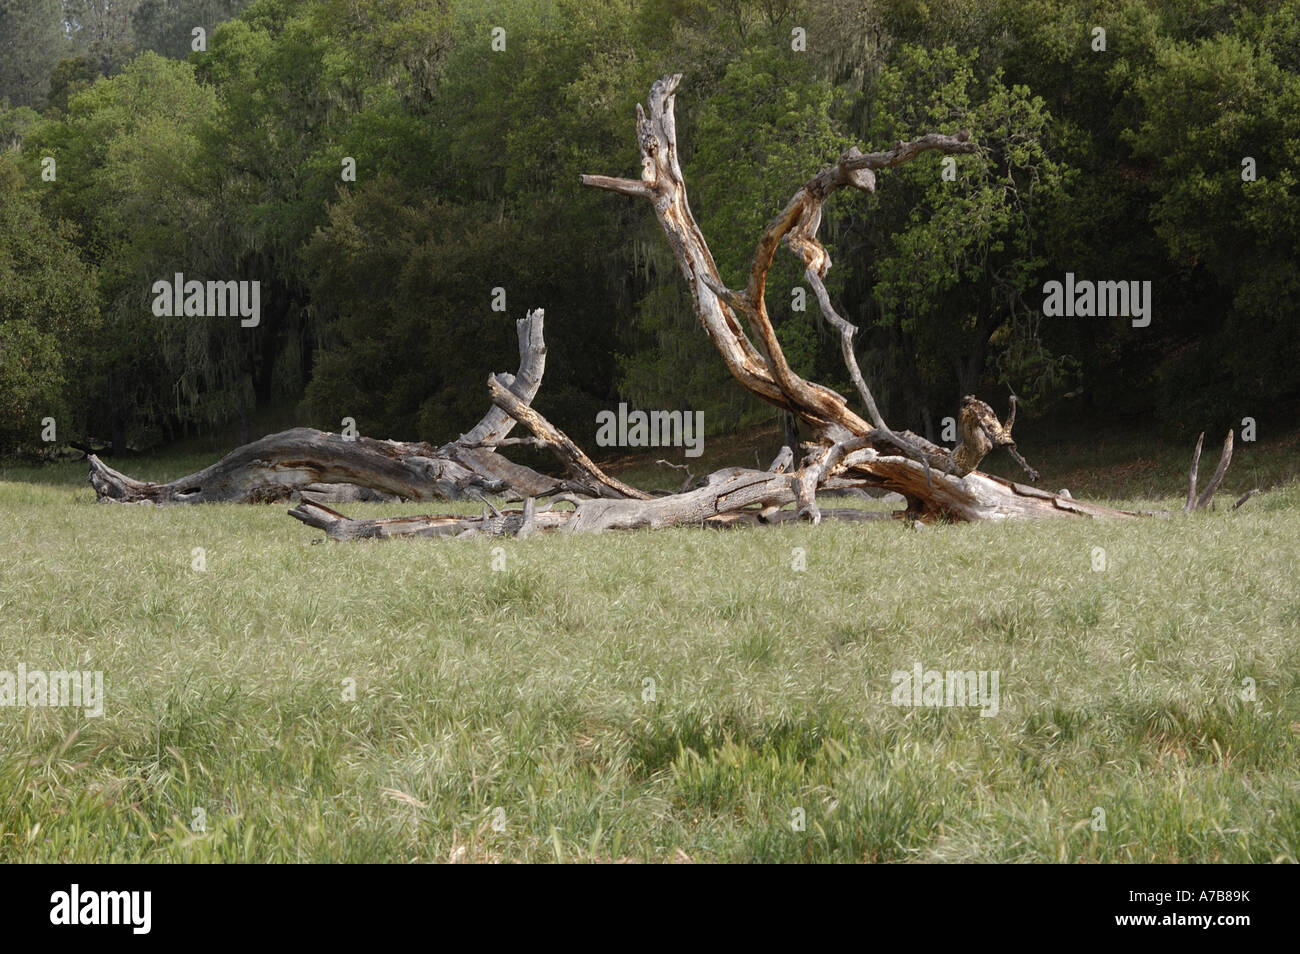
512	522
300	461
732	497
276	466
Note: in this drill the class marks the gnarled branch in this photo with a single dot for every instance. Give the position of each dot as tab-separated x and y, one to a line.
303	460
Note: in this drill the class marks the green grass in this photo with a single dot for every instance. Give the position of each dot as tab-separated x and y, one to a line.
524	689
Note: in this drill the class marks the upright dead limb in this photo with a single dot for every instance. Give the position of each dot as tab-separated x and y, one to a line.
981	432
1225	458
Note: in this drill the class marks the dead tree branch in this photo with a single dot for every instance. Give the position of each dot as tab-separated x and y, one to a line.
301	460
847	452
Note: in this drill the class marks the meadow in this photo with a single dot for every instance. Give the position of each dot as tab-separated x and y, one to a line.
659	696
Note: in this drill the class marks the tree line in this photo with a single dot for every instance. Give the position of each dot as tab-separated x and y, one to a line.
401	177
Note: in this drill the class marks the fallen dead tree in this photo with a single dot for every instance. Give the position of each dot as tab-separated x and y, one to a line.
846	451
322	465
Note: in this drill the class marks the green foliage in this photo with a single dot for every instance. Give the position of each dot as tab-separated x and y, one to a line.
403	350
70	76
130	157
47	312
957	258
102	29
31	43
14	125
1122	164
766	130
1211	107
166	26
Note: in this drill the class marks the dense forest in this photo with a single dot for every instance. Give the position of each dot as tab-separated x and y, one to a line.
401	177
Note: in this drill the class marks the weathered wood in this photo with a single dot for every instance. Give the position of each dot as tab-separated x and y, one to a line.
847	453
587	477
1225	458
981	432
1191	477
274	467
496	424
1244	497
507	523
299	461
935	482
739	498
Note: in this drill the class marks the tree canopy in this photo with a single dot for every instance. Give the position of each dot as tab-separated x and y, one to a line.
402	179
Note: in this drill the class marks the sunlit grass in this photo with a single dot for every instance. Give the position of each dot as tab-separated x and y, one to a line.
525	689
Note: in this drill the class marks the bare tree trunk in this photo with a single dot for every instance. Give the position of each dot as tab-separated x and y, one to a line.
934	485
281	465
276	466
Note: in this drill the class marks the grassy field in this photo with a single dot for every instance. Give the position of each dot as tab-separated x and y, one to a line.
504	714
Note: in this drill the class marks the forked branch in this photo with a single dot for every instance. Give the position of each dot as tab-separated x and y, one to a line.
1225	458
